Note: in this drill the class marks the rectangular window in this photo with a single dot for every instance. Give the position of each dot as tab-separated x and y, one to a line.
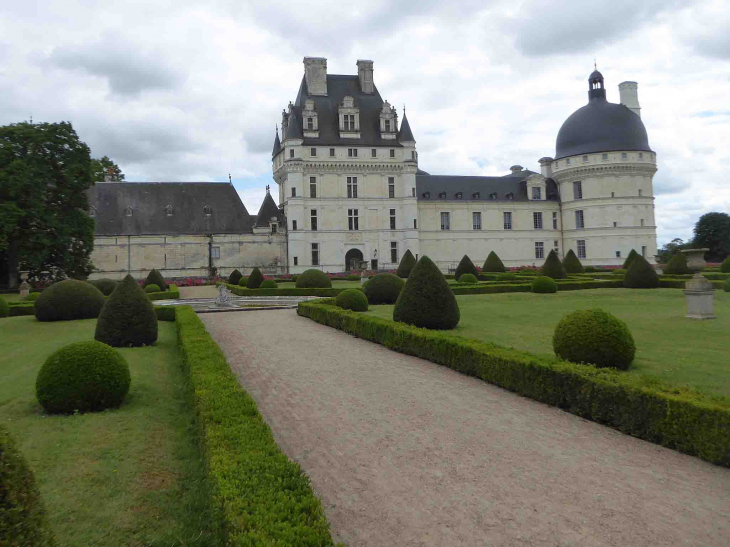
604	156
312	187
293	192
615	224
618	254
296	261
507	221
536	192
623	155
351	187
567	162
215	252
315	254
273	228
476	221
374	153
581	248
555	221
391	187
641	156
579	220
349	120
291	152
293	225
332	152
585	159
539	249
415	224
613	194
413	154
640	191
352	219
643	251
577	190
413	192
394	252
445	221
392	153
642	221
313	217
387	126
556	246
310	124
313	152
537	221
392	219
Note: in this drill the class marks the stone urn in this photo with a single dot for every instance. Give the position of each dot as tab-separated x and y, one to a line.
24	286
699	292
695	259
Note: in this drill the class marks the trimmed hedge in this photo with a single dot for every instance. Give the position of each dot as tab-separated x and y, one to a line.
234	277
259	496
353	277
572	264
465	266
352	299
128	317
383	288
553	267
674	417
68	300
243	282
23	521
726	285
106	286
314	279
32	297
468	279
725	266
172	293
641	275
268	284
493	264
243	291
4	307
407	264
255	279
629	259
152	288
544	285
165	313
508	276
155	278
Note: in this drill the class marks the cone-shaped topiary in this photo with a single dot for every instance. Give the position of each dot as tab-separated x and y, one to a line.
68	300
493	264
572	264
465	266
106	286
629	259
255	279
151	288
406	265
23	521
383	288
553	267
725	266
641	275
155	278
4	307
235	277
544	285
83	376
243	281
426	300
468	278
268	284
128	317
594	337
313	279
677	265
353	299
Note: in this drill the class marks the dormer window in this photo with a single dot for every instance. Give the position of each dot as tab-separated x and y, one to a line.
388	122
493	195
92	211
459	195
427	195
475	195
309	115
310	124
349	122
442	195
387	125
349	119
128	211
168	210
207	210
510	196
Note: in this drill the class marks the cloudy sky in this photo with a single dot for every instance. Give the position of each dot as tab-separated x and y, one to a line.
191	91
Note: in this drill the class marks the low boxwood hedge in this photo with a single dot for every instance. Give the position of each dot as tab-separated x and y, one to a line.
677	418
151	288
172	293
258	495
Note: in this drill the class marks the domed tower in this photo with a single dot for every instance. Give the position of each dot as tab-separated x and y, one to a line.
604	169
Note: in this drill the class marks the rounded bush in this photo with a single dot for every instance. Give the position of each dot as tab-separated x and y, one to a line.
151	288
620	271
255	279
726	285
572	264
725	266
383	288
465	266
294	278
314	279
406	265
468	278
4	307
68	300
106	286
235	277
155	278
641	275
352	299
553	267
677	265
243	281
493	264
594	337
128	317
507	276
544	285
629	259
427	300
32	297
84	377
268	284
590	269
353	277
22	515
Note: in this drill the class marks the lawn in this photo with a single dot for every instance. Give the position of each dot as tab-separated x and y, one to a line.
12	297
132	476
669	346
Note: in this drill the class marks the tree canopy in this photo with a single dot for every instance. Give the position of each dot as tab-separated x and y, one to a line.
101	167
44	223
713	231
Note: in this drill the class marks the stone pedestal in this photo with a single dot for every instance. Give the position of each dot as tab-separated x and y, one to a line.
363	280
24	286
700	296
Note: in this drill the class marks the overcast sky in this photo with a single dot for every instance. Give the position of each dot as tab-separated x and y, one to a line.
191	91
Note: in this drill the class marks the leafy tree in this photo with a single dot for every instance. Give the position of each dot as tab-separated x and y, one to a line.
665	254
44	223
100	168
713	231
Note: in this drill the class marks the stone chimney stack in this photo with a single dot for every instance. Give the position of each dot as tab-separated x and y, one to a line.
630	96
365	73
315	74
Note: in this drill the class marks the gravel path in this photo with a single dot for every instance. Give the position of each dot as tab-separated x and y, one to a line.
404	452
202	291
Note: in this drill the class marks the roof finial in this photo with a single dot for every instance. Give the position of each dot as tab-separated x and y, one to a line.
594	65
229	179
267	188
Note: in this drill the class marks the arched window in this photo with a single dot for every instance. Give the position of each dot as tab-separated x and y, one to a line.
168	210
128	211
207	210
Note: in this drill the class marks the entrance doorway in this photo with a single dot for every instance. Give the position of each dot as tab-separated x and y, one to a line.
353	257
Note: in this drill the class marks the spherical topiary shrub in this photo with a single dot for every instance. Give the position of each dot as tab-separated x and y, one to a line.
255	279
32	297
268	284
594	337
507	276
352	299
406	265
313	279
128	317
725	266
493	264
4	307
243	281
68	300
383	288
572	264
106	286
155	278
83	376
151	288
726	285
641	275
234	278
22	515
544	285
427	300
629	259
468	278
677	265
553	267
465	266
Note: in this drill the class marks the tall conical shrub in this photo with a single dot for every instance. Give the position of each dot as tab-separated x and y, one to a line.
493	264
426	300
553	267
677	265
572	264
641	275
155	278
255	279
406	265
235	277
466	266
629	259
128	317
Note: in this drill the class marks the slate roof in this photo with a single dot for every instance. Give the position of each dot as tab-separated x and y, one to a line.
268	210
405	133
277	145
468	186
150	199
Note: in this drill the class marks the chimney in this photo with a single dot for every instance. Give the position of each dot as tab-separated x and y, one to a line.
516	169
315	73
546	167
630	97
365	73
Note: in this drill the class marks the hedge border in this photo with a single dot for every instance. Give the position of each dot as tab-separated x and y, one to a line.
172	293
258	495
18	309
243	291
682	419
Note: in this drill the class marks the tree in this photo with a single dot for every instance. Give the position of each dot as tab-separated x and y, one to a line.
713	231
665	254
44	223
100	168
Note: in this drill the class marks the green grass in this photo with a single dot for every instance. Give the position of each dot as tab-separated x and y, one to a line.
671	347
12	297
132	476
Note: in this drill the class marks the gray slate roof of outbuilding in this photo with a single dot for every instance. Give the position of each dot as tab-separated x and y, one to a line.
468	186
150	199
268	210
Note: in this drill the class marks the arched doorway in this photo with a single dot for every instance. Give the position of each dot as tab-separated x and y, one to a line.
353	257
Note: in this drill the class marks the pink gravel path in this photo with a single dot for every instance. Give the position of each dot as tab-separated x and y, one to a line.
405	453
